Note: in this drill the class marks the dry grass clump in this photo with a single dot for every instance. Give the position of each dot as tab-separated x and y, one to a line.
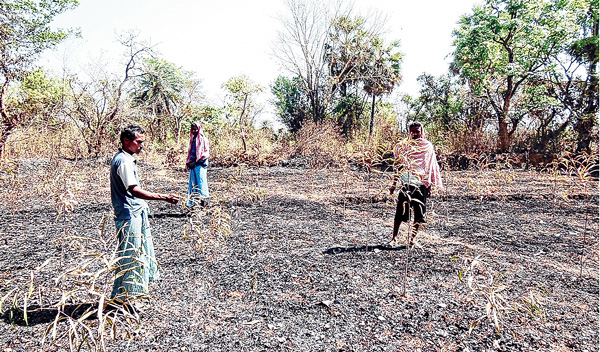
466	141
61	141
581	166
321	144
231	147
207	228
74	302
487	288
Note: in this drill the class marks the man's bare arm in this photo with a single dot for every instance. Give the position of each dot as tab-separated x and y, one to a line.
139	192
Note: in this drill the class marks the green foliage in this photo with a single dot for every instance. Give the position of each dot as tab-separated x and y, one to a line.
159	88
349	113
585	47
38	97
166	93
290	101
241	93
347	51
503	46
207	114
25	32
383	68
441	103
358	61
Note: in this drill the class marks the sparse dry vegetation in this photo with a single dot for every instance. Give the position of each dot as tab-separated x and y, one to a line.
294	254
288	253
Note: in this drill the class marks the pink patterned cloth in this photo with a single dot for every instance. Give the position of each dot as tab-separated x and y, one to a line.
418	156
202	148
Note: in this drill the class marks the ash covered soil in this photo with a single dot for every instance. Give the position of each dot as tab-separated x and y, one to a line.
305	269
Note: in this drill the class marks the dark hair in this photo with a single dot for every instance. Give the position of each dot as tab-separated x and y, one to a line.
130	131
415	124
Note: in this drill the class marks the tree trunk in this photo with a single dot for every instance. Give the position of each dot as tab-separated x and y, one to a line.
7	124
242	122
6	132
178	128
372	116
584	127
502	134
585	124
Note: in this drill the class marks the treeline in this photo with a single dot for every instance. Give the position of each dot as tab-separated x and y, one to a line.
523	79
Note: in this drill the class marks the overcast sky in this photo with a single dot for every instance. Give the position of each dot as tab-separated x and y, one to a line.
219	39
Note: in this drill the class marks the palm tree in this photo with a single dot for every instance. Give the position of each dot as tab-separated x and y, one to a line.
383	73
159	90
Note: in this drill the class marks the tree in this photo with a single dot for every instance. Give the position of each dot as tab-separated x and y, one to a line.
359	62
241	96
97	104
300	48
383	72
565	97
241	92
191	100
24	34
39	97
290	102
347	52
159	91
574	82
503	46
338	58
442	103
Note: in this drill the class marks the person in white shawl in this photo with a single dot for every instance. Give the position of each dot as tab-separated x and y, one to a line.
417	167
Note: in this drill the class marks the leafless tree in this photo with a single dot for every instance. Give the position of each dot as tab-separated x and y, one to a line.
327	47
97	103
301	44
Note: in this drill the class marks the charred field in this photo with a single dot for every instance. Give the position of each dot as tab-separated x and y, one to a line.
508	261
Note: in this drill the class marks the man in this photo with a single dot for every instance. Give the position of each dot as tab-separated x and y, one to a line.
197	163
415	157
137	264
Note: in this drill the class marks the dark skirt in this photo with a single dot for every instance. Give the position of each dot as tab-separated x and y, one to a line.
412	197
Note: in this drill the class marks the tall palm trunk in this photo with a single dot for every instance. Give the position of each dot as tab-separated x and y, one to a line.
372	116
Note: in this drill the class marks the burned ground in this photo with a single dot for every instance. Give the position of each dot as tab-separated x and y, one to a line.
305	269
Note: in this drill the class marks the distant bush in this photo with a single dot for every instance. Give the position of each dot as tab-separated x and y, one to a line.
322	144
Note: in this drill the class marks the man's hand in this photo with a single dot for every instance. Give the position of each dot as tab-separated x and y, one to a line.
173	198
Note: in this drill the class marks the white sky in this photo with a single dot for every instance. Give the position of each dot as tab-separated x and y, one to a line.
220	39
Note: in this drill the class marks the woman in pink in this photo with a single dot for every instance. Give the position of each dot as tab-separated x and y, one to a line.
197	163
419	171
